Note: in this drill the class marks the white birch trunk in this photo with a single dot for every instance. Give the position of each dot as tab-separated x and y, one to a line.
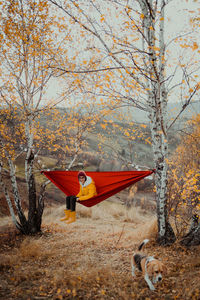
157	101
74	159
29	138
5	191
16	195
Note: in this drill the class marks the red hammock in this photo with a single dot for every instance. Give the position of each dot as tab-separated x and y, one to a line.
107	183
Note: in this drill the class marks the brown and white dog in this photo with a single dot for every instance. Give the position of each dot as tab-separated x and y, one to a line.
151	268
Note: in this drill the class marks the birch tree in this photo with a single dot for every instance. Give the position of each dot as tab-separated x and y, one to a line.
133	66
27	49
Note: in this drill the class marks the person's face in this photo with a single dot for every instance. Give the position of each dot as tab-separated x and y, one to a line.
82	179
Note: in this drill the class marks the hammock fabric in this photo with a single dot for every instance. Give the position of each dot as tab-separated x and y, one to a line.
107	183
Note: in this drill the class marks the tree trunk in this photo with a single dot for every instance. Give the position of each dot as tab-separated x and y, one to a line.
35	208
192	238
160	148
5	191
33	224
17	199
41	205
157	101
32	212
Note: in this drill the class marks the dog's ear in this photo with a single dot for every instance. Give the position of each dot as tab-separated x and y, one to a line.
150	268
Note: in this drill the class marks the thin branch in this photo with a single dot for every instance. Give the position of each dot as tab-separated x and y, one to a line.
182	109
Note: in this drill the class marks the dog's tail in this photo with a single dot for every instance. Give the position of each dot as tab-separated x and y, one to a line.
142	244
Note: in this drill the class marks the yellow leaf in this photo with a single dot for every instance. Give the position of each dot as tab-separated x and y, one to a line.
102	18
198	86
195	46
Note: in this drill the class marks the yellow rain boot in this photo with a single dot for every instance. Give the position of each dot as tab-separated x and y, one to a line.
72	217
67	214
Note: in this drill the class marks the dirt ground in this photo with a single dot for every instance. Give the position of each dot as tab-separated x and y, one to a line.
90	259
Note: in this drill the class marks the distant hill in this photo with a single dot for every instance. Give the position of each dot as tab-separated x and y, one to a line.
141	150
141	116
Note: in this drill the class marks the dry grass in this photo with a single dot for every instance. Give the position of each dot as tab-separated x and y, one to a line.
113	211
90	259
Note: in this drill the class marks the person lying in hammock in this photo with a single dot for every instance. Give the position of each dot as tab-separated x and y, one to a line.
87	191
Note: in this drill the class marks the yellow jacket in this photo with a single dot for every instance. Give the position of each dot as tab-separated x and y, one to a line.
87	190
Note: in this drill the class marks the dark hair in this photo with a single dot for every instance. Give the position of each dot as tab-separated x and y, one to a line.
82	173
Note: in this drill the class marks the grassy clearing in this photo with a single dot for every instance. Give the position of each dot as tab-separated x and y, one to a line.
90	259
